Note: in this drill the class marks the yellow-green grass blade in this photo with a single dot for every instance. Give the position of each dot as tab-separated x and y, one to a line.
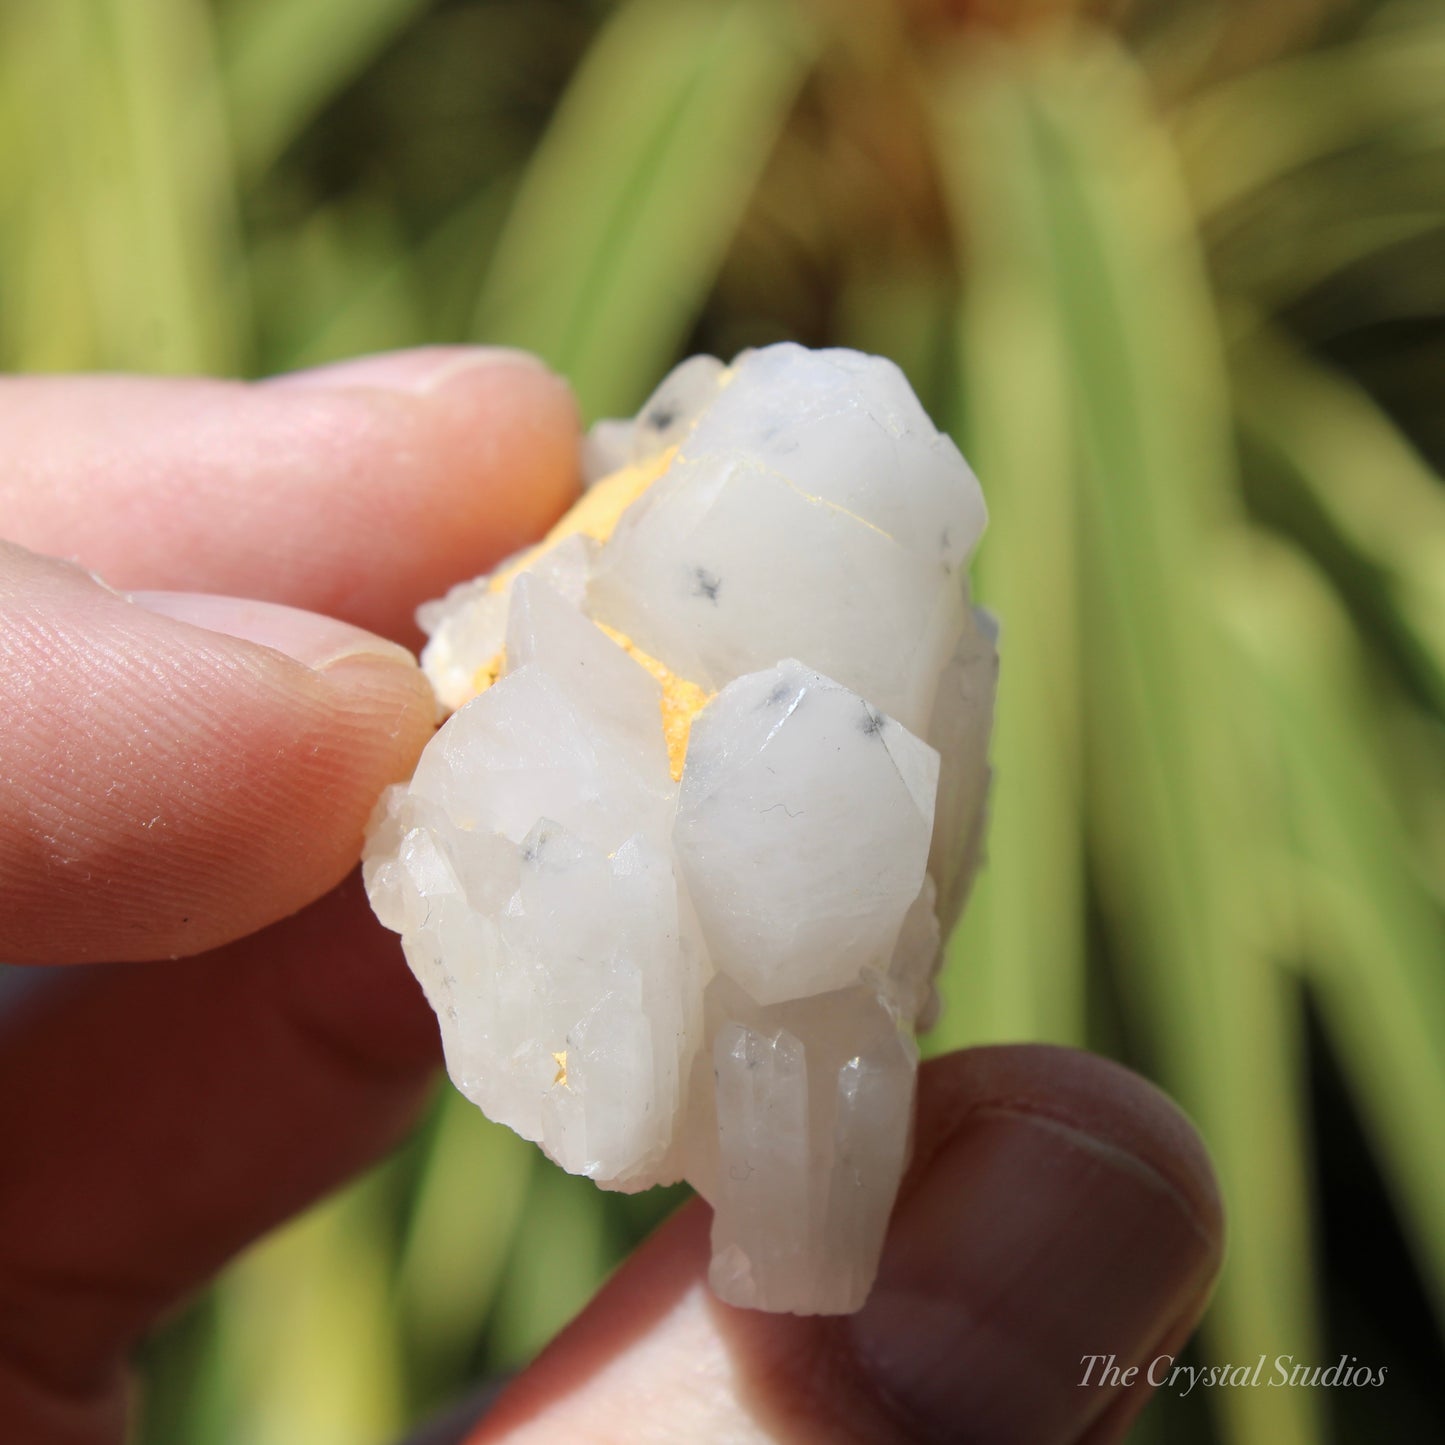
462	1230
309	1347
158	213
629	204
1247	135
1179	812
1359	492
1323	162
349	282
906	313
183	1390
63	308
284	59
1372	936
1015	966
37	49
341	284
559	1257
1413	751
121	244
1313	229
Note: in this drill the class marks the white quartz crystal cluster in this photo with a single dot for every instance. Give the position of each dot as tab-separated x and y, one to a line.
675	872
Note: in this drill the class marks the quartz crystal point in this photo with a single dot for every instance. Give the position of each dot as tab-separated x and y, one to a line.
676	871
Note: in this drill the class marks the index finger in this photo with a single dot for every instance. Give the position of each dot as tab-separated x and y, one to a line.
357	490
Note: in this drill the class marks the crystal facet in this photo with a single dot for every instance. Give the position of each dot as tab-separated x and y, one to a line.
675	873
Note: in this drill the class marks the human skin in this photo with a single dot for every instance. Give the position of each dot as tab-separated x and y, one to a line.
185	783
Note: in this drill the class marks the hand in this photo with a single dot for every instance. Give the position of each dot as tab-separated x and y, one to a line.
181	774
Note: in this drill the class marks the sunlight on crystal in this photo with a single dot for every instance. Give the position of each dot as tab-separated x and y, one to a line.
675	873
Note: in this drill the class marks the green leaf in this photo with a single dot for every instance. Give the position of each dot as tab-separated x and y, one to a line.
1178	807
128	252
629	204
343	285
463	1229
1246	136
1356	491
307	1332
1016	965
284	59
1371	935
561	1255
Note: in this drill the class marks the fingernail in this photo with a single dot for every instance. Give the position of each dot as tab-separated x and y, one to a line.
1027	1247
319	642
418	372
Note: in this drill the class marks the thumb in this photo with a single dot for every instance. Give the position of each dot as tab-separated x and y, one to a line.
1058	1208
180	770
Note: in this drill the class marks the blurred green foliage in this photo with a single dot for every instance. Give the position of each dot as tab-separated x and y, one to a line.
1172	272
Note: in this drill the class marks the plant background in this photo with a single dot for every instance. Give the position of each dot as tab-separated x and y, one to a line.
1174	274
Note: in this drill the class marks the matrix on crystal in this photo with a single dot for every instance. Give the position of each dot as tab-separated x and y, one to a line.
675	873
